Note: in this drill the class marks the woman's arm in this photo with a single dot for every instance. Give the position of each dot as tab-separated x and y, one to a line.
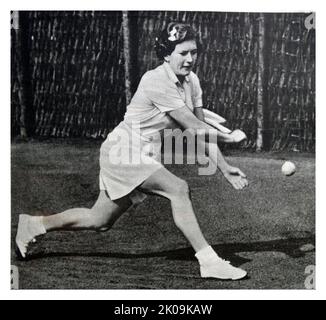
188	120
199	113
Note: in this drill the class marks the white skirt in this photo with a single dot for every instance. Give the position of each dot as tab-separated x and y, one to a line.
121	168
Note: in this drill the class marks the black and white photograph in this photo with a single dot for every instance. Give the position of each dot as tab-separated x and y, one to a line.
162	149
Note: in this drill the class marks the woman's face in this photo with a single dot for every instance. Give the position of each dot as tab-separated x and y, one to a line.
183	58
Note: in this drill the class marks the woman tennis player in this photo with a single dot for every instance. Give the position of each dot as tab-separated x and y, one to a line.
167	97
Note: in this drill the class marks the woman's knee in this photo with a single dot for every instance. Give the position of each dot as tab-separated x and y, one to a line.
106	212
180	190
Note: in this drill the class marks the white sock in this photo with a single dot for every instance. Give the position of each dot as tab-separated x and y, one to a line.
207	256
37	225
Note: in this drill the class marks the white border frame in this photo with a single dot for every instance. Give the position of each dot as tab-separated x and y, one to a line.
190	5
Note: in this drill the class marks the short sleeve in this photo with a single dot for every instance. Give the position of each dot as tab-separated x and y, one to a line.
163	94
197	92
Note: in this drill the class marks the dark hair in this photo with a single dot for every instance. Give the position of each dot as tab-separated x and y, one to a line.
173	34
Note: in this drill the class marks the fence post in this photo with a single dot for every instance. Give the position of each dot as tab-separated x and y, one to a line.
260	91
15	25
263	111
126	53
130	48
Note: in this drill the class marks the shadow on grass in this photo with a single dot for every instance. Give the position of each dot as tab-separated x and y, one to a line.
290	247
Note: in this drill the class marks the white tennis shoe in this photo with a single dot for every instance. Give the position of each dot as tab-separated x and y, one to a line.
28	228
222	269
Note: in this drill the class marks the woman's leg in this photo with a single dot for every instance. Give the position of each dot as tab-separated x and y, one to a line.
165	184
101	216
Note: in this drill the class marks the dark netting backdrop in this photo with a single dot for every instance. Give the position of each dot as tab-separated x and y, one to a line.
76	83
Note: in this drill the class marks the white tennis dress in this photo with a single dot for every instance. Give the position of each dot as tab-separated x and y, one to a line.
131	152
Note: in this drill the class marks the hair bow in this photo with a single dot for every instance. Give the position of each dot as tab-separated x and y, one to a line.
172	34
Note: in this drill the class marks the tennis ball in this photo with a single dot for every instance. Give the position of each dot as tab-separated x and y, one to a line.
288	168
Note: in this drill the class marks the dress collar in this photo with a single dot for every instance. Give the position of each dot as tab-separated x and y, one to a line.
171	74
